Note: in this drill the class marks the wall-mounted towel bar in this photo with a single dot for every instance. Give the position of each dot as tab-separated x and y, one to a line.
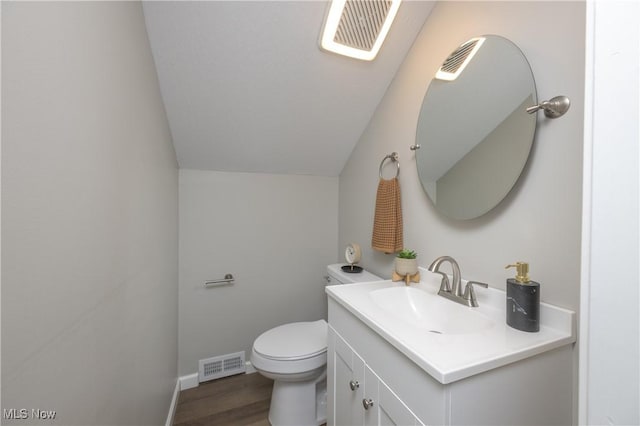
394	158
227	280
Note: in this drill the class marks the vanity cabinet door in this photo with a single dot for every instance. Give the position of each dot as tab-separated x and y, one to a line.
356	394
392	409
372	406
347	382
386	409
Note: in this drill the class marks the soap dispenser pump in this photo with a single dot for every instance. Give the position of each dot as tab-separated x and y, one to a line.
523	300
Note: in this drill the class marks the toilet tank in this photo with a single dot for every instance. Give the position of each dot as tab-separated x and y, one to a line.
335	275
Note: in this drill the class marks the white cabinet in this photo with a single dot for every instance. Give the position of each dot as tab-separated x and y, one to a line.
357	395
537	390
347	382
385	408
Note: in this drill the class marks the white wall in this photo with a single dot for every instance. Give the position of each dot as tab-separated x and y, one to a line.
89	217
539	221
274	233
610	320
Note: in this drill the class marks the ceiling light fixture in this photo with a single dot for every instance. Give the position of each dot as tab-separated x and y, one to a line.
357	28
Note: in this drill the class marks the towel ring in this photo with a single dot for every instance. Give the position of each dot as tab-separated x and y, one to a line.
394	158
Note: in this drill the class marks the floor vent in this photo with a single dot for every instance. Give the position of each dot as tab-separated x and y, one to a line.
221	366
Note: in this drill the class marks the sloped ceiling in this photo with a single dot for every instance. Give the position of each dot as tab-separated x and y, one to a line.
247	89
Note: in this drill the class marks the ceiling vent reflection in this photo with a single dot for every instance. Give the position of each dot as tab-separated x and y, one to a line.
453	66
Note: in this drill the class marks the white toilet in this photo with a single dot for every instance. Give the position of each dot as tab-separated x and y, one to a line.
295	357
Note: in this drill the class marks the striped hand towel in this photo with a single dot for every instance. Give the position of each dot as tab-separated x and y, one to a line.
387	222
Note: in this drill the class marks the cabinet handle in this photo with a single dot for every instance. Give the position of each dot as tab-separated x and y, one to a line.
367	403
354	385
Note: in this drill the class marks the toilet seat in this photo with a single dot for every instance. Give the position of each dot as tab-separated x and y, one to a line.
291	348
294	341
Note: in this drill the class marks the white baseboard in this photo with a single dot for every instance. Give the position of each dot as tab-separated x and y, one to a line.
174	403
189	381
250	368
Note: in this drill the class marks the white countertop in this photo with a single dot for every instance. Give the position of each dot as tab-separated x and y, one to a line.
451	357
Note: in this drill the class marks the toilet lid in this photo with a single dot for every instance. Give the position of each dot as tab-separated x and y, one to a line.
293	341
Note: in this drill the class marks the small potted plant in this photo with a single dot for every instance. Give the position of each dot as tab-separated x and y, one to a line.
406	263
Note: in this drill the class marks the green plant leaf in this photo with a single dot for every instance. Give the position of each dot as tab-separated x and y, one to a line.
407	254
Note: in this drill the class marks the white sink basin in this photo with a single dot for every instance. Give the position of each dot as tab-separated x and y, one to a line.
433	314
448	340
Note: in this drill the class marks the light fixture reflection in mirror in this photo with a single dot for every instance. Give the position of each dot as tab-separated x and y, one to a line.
453	66
474	132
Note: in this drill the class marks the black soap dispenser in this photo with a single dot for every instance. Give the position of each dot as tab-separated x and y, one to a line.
523	300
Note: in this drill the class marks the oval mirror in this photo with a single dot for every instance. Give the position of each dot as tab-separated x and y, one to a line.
473	130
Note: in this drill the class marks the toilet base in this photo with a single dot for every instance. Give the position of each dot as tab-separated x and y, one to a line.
299	403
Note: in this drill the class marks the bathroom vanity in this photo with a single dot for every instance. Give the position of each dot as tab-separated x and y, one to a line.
406	356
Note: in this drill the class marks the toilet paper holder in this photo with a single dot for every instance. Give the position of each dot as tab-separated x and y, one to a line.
227	280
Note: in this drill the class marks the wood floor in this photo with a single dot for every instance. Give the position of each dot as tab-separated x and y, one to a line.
241	400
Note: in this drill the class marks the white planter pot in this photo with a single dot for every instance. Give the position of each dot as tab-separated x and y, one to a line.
406	266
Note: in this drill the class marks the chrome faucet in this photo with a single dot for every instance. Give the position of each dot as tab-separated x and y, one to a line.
453	291
445	287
